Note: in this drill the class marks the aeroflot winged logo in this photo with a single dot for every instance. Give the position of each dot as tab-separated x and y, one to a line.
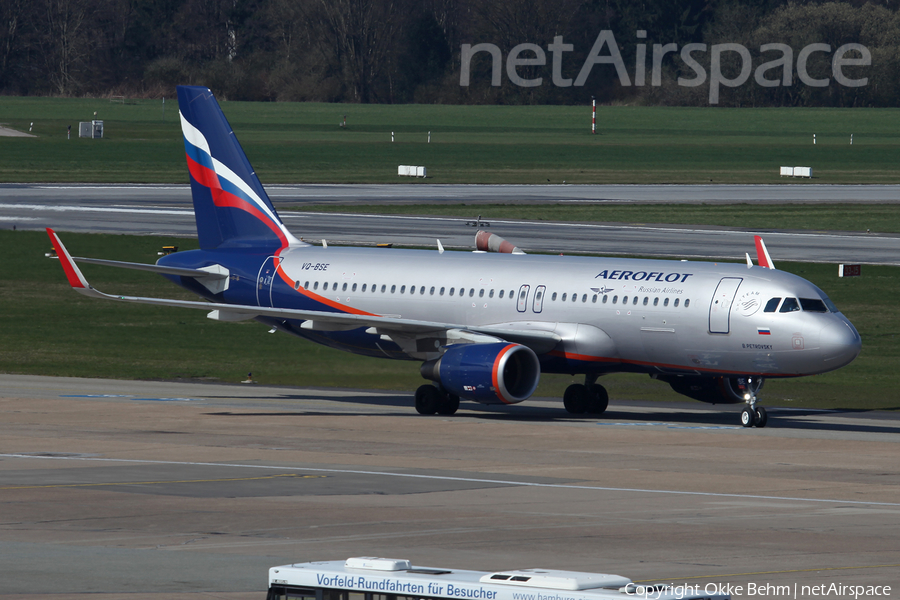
660	276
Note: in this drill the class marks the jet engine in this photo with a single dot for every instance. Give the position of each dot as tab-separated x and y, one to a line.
716	390
496	373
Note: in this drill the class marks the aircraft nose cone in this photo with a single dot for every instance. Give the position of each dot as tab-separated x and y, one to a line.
840	343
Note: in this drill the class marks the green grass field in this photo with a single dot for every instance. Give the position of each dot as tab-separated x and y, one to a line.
48	329
302	142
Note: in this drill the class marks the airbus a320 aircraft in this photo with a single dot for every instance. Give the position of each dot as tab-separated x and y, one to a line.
485	325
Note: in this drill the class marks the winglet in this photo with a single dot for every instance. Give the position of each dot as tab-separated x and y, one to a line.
762	254
73	273
749	262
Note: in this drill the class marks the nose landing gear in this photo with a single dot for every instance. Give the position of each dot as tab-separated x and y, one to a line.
753	415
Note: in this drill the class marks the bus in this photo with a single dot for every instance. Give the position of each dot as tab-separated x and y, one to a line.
371	578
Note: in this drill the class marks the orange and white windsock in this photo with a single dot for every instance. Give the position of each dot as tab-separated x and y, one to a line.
489	242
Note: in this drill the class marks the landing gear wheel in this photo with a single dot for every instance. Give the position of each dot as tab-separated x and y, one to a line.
598	399
748	417
428	399
576	399
761	417
449	404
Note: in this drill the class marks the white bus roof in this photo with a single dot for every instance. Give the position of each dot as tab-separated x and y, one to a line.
400	577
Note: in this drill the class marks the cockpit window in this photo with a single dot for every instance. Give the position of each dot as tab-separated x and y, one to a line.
772	305
813	305
789	305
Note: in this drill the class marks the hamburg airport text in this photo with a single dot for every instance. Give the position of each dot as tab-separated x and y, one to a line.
773	73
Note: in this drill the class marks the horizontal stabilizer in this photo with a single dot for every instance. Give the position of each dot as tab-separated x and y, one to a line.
163	270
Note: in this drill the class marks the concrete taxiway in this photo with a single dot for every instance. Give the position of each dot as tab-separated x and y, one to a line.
119	489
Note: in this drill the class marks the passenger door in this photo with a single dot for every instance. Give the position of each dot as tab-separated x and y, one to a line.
720	306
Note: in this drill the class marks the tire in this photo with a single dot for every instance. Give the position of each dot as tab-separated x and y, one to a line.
428	399
748	417
449	404
598	399
761	417
576	399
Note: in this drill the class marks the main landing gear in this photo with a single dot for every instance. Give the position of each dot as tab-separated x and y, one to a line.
589	397
431	400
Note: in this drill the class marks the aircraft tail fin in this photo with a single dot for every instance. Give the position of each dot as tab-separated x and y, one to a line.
231	207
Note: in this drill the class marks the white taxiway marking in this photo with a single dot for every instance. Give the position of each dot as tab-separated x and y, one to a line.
464	479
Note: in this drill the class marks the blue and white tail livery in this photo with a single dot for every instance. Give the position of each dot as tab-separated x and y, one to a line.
231	206
484	326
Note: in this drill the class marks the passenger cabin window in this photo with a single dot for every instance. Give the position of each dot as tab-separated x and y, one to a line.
665	301
393	288
306	285
344	288
481	293
813	305
605	298
687	302
316	285
452	290
431	291
772	305
789	305
491	295
442	291
675	303
471	292
615	299
564	297
501	293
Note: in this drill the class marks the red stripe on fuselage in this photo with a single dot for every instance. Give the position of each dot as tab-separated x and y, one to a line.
641	363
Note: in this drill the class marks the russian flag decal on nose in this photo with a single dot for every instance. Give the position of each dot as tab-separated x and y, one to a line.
763	331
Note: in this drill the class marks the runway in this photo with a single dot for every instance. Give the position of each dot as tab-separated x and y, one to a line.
166	210
158	489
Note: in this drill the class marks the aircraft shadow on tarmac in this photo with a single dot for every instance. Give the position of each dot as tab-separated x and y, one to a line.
675	415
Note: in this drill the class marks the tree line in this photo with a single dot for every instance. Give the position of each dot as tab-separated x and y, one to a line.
399	51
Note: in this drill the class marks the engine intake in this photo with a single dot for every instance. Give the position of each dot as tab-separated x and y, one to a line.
499	373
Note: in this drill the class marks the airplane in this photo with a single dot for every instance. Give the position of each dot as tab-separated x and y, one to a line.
484	325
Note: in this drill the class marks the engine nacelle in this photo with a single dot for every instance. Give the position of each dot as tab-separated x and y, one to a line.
498	373
716	390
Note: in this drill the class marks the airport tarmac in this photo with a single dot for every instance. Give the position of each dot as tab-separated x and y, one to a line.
120	489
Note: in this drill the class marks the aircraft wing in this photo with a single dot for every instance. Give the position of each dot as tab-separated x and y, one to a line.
539	341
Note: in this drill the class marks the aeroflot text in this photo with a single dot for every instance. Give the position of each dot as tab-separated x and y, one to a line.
644	276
